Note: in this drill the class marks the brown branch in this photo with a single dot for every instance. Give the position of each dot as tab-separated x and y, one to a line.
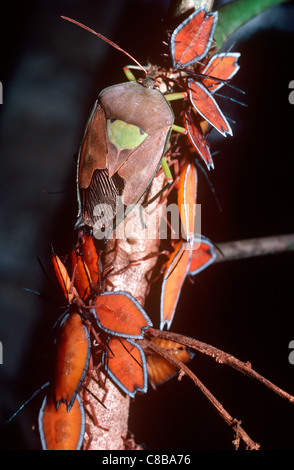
254	247
232	422
121	252
222	358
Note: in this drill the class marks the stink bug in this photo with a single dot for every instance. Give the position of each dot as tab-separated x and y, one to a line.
191	40
121	150
177	266
118	313
73	344
72	359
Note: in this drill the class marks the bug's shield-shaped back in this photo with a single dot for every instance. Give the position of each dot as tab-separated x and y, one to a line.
124	142
72	359
126	364
61	429
191	40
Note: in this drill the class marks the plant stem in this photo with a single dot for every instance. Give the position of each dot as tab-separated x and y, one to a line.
254	247
234	423
236	14
122	252
222	358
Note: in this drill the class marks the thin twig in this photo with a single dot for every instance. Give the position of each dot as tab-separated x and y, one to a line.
222	358
232	422
254	247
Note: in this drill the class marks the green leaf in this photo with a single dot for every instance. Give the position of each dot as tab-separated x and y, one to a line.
236	14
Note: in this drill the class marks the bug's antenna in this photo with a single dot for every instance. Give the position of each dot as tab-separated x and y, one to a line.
106	40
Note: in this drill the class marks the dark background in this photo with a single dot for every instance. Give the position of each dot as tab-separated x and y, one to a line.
51	74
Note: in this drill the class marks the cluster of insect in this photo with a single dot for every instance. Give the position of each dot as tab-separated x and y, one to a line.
130	129
99	327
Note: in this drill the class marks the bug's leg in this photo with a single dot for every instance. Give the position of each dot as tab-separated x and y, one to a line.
90	438
136	262
176	96
130	76
166	170
173	97
87	402
180	129
171	182
168	187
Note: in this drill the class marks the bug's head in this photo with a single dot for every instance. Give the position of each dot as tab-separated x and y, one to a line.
147	82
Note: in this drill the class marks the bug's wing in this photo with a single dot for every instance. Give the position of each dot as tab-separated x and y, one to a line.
97	192
99	201
93	150
142	165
